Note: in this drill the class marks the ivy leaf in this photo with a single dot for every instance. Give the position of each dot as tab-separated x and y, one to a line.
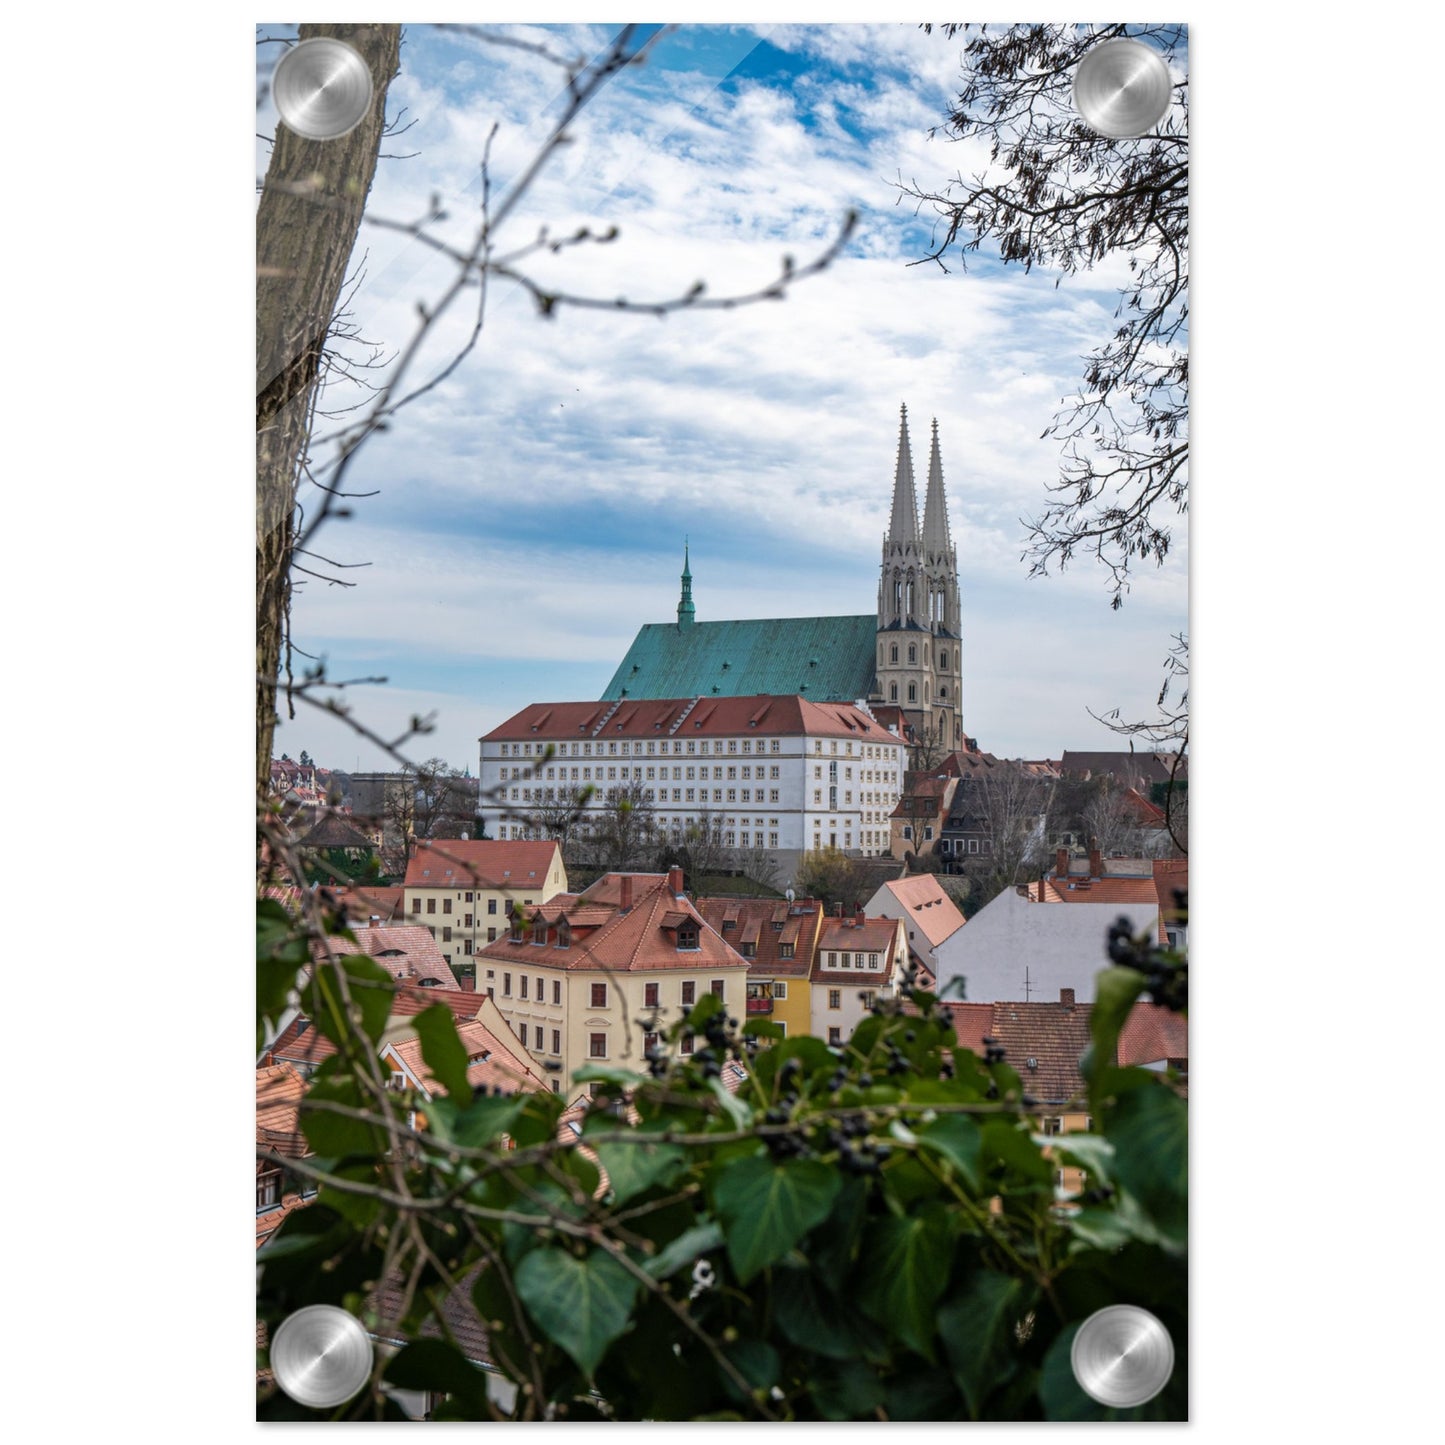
906	1264
1004	1143
686	1249
976	1327
1149	1129
482	1122
632	1168
370	987
1115	991
438	1367
443	1051
582	1305
767	1208
959	1140
811	1318
334	1135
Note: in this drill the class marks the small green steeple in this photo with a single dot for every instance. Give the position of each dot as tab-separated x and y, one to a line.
686	612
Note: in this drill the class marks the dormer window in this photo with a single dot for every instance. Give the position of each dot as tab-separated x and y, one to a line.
687	935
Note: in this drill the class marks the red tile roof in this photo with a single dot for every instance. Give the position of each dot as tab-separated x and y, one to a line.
1093	890
926	906
972	1023
1051	1035
1169	874
368	900
406	951
1152	1034
480	863
301	1044
752	922
766	715
495	1063
278	1099
606	938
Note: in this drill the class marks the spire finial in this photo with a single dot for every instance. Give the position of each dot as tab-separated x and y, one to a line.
903	524
686	612
936	539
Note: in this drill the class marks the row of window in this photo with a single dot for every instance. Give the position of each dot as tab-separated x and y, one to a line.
598	993
650	747
913	654
431	906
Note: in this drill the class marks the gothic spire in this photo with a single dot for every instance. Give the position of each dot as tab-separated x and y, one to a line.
903	525
936	539
686	612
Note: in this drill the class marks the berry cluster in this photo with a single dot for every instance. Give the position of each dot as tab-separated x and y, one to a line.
1168	979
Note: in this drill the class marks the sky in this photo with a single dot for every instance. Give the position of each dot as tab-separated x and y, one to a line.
526	516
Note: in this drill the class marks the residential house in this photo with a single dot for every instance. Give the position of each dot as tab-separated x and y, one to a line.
779	940
929	913
464	890
916	824
497	1059
597	977
859	960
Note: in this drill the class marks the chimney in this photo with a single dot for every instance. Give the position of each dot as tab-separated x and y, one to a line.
1096	860
1066	997
858	910
674	880
626	903
267	1059
1061	863
469	985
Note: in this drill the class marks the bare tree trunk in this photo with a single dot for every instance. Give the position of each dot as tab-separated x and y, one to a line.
306	226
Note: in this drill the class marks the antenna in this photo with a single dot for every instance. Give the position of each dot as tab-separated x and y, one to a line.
1027	987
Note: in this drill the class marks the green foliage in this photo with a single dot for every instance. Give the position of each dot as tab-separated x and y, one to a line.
866	1232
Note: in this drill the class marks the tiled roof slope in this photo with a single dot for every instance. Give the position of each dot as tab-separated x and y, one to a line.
752	919
479	863
604	937
690	716
364	901
1094	890
302	1044
334	831
278	1100
405	952
926	906
1146	767
1054	1036
1152	1034
822	658
501	1068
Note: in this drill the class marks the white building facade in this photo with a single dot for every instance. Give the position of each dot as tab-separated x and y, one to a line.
781	774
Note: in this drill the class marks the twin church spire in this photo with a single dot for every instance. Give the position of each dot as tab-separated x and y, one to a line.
918	609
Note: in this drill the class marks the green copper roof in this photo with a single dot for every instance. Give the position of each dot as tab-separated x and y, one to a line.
824	659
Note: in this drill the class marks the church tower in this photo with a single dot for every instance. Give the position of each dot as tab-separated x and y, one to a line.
919	668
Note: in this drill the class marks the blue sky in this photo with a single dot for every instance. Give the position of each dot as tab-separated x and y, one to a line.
530	512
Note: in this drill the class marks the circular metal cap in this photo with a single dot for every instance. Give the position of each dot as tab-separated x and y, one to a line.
322	88
1121	88
321	1356
1122	1356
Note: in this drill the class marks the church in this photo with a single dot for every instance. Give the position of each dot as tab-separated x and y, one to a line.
906	656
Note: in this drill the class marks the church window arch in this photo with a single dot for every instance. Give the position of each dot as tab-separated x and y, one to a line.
912	652
897	595
892	692
910	596
912	692
943	659
943	692
893	653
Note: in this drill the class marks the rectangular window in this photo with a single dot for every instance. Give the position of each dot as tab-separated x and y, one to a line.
416	905
491	905
556	1041
780	989
689	992
650	995
539	1038
835	998
716	986
467	920
431	905
597	1046
447	934
506	985
467	946
835	1036
446	905
523	982
541	989
687	1043
599	995
557	990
